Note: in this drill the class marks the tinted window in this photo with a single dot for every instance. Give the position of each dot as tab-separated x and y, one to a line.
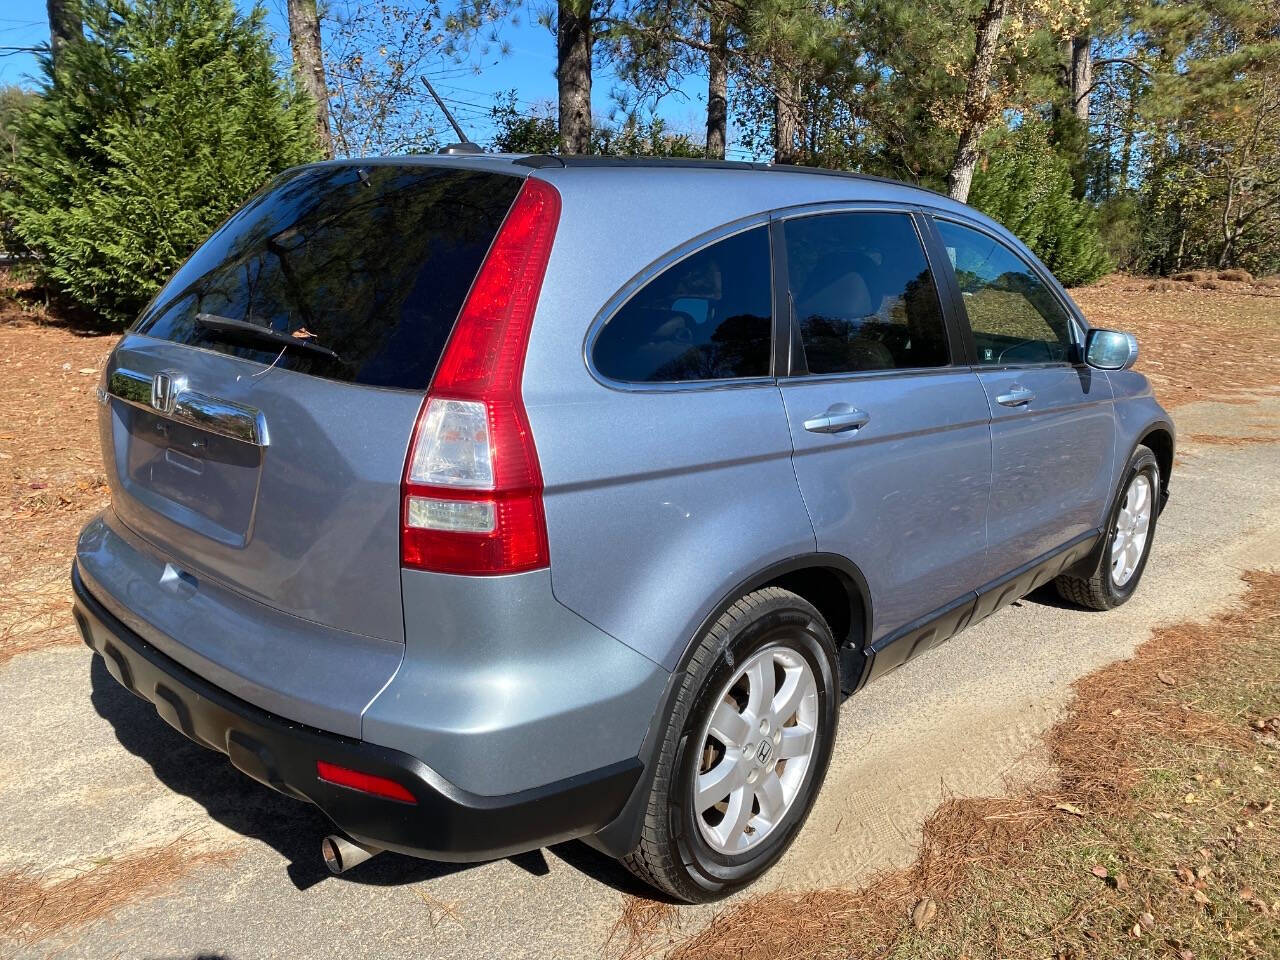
708	317
1014	315
370	262
862	293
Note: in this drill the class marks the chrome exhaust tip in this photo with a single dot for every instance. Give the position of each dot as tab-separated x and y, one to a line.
341	854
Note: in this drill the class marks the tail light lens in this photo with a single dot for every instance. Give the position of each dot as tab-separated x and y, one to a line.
472	490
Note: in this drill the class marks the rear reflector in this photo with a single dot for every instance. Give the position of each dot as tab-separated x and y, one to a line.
472	490
364	782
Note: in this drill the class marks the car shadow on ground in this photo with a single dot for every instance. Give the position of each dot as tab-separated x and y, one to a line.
292	828
1048	596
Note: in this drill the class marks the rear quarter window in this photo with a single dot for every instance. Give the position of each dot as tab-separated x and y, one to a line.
706	317
371	262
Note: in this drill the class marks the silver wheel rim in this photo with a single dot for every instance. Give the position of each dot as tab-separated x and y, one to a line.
1129	538
757	746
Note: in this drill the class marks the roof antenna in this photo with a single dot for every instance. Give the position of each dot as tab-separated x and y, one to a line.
463	145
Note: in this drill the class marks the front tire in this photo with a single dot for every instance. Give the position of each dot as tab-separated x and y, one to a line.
745	750
1131	526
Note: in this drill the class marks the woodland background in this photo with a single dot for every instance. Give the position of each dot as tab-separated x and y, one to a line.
1141	136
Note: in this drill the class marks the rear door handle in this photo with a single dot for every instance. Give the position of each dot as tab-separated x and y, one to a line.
1018	396
838	421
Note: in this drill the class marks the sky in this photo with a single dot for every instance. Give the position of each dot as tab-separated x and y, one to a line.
528	68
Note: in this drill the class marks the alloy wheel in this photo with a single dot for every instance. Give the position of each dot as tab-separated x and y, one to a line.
757	746
1132	525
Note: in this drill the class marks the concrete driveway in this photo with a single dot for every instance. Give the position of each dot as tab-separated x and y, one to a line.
89	775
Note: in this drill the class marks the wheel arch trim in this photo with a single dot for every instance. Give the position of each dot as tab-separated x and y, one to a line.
622	835
1164	428
846	570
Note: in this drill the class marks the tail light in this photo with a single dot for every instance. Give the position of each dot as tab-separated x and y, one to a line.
472	489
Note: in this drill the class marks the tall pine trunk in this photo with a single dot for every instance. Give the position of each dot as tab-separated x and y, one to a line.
1081	76
573	74
65	25
1126	146
717	86
308	65
786	122
977	89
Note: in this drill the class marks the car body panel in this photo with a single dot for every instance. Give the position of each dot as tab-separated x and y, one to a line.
309	525
504	689
658	503
293	668
904	497
1051	461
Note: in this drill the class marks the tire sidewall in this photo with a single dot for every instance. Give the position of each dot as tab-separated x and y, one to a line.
803	631
1142	461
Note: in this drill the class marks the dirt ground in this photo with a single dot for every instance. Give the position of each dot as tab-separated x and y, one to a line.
165	846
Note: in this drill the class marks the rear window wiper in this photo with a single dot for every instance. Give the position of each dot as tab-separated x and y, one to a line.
246	330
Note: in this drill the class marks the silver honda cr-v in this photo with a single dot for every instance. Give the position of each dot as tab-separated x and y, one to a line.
487	502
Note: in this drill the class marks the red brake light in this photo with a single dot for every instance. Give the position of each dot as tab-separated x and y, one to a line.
472	489
364	782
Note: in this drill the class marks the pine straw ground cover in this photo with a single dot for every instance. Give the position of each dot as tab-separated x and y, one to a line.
1159	837
1197	342
34	908
51	479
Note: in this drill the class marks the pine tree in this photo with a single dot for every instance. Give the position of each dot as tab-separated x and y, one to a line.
1027	186
164	119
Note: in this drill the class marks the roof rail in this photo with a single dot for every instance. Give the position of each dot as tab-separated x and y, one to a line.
539	161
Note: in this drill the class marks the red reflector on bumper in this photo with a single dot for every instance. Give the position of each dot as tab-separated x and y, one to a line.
364	782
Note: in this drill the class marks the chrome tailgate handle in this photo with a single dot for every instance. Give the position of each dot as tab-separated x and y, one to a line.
166	395
837	420
1018	396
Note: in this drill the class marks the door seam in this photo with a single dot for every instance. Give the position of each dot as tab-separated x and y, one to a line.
786	414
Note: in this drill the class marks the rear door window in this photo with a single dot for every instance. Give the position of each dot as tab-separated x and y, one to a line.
707	317
367	265
862	293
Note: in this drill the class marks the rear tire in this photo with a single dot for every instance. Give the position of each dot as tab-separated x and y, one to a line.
755	719
1131	527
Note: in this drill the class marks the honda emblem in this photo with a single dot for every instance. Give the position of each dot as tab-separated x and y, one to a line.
164	392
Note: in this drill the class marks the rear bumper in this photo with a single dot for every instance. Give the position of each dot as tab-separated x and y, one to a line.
445	822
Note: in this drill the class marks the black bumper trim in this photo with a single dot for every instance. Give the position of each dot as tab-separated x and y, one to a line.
446	823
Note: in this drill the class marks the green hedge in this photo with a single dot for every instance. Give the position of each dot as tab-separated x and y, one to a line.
153	129
1027	186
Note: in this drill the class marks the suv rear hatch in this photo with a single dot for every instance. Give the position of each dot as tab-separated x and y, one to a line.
256	418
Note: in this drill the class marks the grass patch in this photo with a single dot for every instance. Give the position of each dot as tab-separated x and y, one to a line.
1160	836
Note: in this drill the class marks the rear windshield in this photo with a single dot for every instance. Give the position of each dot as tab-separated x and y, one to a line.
364	267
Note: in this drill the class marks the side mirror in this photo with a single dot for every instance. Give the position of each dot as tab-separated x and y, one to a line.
1110	350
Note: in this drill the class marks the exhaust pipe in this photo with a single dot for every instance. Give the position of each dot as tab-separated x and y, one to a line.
341	854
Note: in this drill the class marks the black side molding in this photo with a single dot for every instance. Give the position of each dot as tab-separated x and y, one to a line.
935	628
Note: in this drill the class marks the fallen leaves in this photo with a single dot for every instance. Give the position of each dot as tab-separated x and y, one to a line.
923	913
